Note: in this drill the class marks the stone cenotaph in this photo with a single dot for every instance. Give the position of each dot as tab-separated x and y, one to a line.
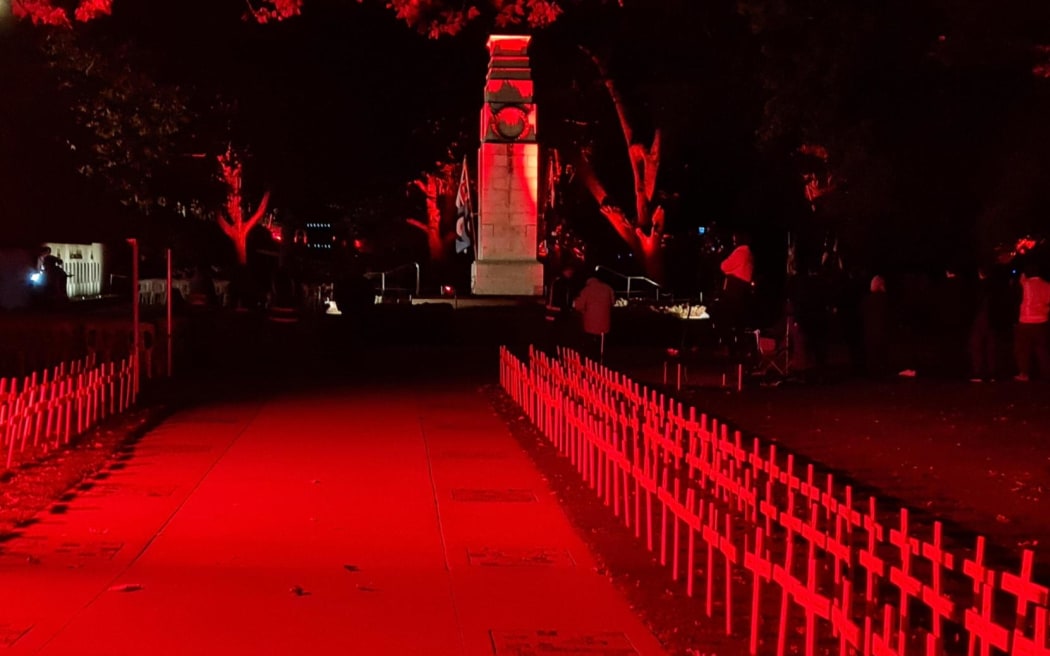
508	176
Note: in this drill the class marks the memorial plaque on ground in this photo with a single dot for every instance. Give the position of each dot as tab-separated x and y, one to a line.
556	643
512	495
516	557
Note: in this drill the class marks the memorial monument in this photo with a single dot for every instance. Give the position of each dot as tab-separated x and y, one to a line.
508	176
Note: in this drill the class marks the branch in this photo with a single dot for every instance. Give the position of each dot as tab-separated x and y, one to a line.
260	212
419	184
645	162
616	216
227	225
652	164
591	181
614	93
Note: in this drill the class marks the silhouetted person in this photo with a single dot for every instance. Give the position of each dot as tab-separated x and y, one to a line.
949	325
991	322
355	296
284	298
852	321
560	318
875	312
739	270
813	315
55	293
595	305
1030	338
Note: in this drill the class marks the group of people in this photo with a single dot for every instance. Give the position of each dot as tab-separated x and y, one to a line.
999	312
579	316
890	329
949	324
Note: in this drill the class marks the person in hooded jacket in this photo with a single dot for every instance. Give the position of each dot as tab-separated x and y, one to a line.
594	304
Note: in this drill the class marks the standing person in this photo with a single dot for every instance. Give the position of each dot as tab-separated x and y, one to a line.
55	282
560	317
875	314
1030	338
950	323
814	319
739	270
595	305
990	324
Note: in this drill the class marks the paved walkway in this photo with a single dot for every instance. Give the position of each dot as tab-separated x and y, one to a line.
358	522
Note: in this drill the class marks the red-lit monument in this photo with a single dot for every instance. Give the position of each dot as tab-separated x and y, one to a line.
508	165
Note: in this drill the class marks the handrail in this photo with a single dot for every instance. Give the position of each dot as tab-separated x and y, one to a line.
630	279
383	274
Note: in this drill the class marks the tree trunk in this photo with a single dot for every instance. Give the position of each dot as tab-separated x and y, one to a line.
434	188
233	223
645	244
240	244
237	229
643	234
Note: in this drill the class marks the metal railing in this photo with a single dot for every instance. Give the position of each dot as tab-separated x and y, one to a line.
382	276
630	279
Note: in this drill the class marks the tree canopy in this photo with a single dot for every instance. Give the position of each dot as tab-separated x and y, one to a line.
890	124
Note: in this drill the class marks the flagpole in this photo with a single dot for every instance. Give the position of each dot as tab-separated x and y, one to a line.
787	315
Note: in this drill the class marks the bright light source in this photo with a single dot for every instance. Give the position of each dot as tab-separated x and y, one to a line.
36	277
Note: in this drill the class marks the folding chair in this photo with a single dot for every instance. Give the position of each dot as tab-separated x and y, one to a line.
686	353
680	358
770	356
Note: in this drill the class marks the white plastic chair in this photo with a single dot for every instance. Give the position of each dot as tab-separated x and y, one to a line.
159	291
145	292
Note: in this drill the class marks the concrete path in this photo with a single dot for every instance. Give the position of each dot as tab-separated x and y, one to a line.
382	521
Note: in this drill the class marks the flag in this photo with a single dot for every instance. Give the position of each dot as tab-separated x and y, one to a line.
553	173
464	213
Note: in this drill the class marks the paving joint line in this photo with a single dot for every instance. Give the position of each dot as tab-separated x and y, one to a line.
441	534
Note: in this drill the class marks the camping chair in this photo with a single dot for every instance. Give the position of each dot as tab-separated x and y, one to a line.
686	353
680	358
771	355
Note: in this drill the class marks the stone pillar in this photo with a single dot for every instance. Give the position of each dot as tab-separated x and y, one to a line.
508	176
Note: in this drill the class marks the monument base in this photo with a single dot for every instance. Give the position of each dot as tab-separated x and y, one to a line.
507	278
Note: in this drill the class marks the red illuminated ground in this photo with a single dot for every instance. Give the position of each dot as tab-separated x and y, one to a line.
390	518
341	493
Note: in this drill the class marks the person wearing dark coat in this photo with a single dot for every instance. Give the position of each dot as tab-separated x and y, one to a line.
875	311
991	323
594	305
560	318
55	282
